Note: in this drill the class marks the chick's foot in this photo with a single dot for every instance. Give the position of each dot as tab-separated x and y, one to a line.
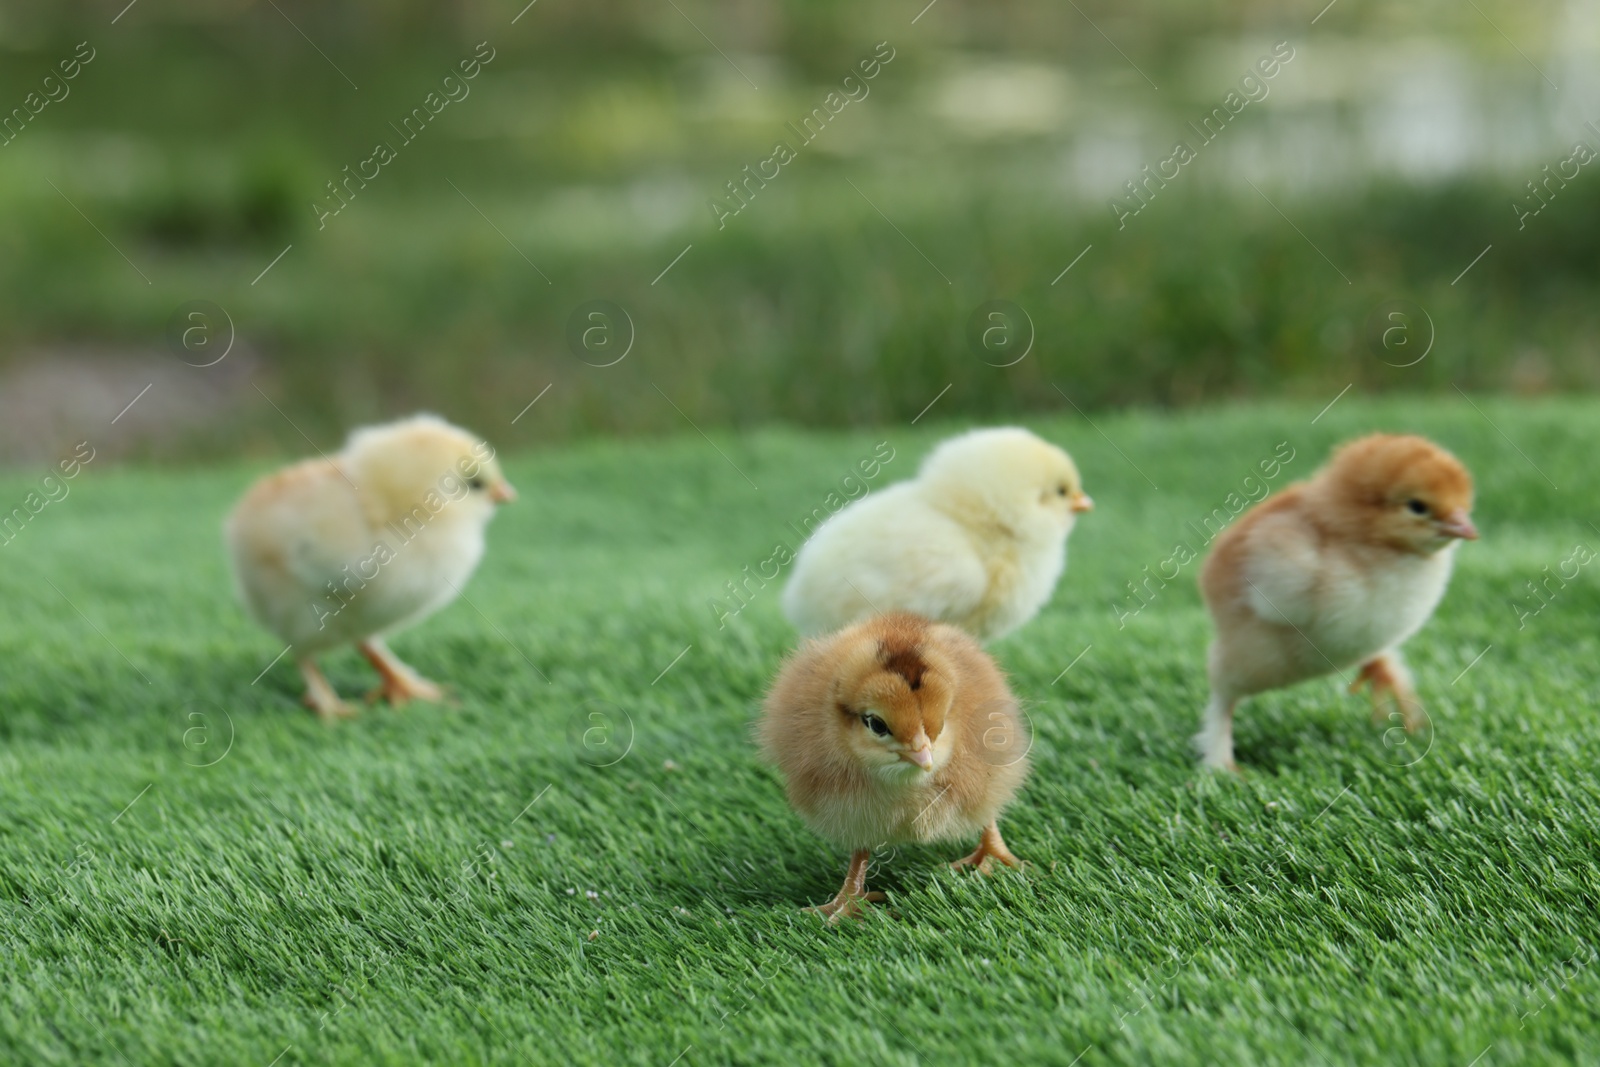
1215	740
846	905
848	902
990	847
400	684
1391	685
320	696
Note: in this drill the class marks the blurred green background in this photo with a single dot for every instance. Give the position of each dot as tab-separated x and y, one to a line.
188	154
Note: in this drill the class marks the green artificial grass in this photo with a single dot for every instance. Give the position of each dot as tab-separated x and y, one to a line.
585	862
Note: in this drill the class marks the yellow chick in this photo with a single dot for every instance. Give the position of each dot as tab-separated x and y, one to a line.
346	550
1333	573
977	539
895	730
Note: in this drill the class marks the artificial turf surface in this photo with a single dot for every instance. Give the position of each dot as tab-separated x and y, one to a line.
585	862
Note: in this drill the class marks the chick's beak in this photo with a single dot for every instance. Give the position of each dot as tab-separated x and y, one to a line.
502	493
1082	502
1456	524
921	753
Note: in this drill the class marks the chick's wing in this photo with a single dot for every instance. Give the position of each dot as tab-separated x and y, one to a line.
302	527
1281	566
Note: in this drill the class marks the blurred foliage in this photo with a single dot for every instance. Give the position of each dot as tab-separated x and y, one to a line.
198	140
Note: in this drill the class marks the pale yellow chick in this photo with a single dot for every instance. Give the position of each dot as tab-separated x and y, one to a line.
350	549
1334	573
977	539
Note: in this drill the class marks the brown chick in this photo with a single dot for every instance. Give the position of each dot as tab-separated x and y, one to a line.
1334	573
895	730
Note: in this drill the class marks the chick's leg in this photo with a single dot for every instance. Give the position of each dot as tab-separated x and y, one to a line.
320	695
847	903
1215	739
990	847
1391	681
400	683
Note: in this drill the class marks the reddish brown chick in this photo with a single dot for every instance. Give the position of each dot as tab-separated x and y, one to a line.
1333	574
896	730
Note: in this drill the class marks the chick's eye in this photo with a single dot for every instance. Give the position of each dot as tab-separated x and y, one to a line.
1061	490
876	725
475	483
1416	507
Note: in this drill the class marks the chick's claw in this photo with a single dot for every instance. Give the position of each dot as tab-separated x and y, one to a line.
320	696
846	905
329	710
400	684
990	847
401	691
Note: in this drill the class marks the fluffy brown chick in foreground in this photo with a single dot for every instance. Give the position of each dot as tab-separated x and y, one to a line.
896	730
1334	573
